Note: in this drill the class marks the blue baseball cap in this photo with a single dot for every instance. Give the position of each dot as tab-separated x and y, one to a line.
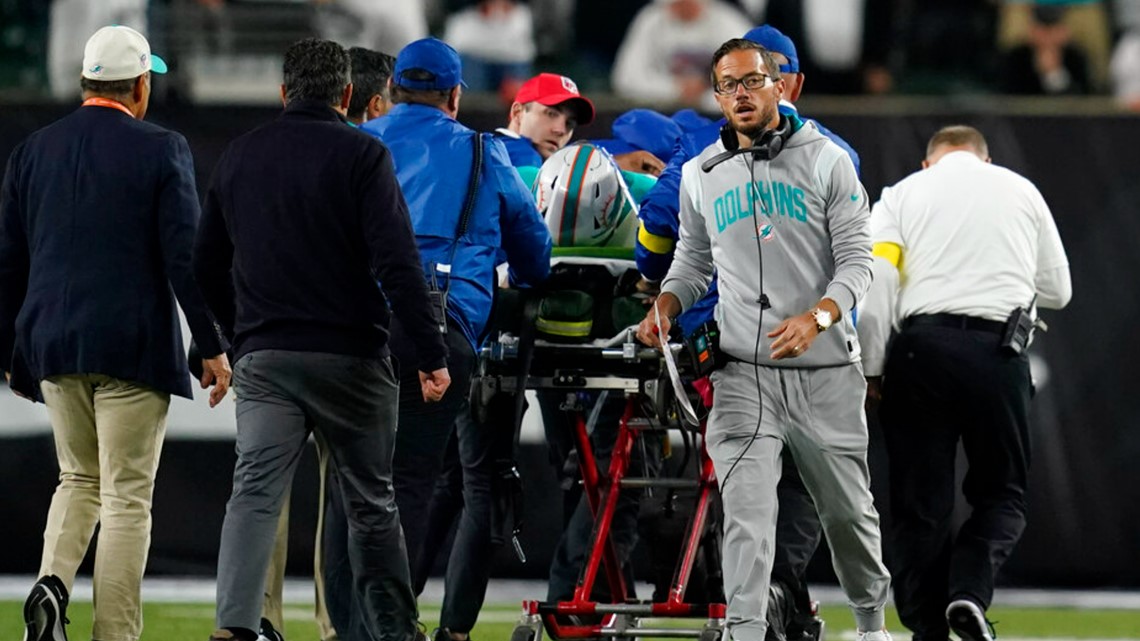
433	56
689	120
771	39
649	130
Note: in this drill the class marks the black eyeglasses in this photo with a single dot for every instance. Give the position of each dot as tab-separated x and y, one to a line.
753	82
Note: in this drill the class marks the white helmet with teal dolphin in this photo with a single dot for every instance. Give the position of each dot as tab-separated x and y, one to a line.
585	200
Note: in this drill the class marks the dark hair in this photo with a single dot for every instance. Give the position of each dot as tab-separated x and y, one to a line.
430	97
370	73
116	88
740	44
316	70
958	136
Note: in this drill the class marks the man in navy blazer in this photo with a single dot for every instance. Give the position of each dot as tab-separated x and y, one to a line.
97	219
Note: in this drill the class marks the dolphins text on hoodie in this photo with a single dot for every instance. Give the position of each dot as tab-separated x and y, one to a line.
808	212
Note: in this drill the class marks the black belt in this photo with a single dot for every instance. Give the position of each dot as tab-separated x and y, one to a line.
956	321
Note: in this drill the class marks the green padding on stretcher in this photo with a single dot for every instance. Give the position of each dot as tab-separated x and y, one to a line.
566	315
624	253
627	311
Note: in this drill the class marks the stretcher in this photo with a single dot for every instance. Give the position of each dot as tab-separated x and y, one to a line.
617	364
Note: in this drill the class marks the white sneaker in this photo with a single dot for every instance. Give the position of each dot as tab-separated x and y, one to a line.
874	635
968	621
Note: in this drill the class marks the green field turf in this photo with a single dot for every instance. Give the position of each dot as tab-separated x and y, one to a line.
194	622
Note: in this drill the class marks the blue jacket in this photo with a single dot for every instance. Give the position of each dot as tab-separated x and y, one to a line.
433	156
660	213
520	149
97	220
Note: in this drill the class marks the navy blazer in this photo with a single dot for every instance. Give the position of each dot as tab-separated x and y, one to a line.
98	213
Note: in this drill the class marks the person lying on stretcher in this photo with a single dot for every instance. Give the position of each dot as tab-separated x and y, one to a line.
590	207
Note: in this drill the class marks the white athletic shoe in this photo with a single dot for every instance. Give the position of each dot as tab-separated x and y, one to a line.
874	635
968	621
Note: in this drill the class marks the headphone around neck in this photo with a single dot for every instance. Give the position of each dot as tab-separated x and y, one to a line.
767	146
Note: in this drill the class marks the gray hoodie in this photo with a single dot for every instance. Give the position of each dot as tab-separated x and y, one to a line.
814	235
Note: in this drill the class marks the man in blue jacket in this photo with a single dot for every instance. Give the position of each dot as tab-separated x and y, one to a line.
798	528
303	218
97	219
464	220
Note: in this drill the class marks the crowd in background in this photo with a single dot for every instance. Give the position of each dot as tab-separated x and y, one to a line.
647	51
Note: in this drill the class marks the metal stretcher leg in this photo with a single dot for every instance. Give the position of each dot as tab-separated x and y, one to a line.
622	617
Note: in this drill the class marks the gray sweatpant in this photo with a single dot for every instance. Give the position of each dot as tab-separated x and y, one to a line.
818	413
352	403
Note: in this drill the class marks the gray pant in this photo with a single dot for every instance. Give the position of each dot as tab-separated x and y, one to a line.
352	403
818	414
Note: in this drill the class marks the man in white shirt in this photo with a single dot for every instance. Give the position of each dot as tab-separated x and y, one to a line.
971	242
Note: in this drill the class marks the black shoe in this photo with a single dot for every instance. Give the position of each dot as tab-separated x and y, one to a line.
45	611
779	612
443	634
813	630
268	632
968	621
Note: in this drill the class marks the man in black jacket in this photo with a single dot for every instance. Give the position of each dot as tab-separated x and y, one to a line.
302	219
97	218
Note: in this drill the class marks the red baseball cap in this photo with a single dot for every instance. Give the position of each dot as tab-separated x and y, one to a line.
551	89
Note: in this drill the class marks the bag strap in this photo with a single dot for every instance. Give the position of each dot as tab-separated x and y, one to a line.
468	203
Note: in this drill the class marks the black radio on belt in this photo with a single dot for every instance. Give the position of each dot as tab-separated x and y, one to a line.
1018	329
704	348
438	298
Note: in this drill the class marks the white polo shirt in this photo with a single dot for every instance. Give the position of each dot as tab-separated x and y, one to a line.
976	239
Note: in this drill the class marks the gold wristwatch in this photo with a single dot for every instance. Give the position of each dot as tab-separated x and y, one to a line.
822	319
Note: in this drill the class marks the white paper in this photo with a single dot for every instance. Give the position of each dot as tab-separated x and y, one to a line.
687	412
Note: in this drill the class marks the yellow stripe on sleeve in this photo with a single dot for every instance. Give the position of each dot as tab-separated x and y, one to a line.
653	242
889	252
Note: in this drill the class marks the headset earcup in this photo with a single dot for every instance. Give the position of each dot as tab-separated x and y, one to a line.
773	139
728	138
775	146
763	145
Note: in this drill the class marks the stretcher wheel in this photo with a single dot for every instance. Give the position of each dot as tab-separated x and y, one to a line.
524	633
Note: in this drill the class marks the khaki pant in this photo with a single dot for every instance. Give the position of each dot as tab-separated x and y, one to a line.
108	439
275	577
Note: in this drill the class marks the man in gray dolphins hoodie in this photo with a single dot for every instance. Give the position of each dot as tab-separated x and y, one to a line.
776	209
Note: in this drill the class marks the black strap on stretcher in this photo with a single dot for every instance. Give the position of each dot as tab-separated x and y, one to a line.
507	497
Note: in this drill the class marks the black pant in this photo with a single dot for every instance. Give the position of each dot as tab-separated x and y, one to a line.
942	385
424	428
421	437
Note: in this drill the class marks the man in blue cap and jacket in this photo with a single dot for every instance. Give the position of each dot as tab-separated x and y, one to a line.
470	212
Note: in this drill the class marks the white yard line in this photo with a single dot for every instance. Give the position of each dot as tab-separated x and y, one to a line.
299	592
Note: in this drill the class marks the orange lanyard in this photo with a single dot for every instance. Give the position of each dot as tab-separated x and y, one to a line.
104	102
